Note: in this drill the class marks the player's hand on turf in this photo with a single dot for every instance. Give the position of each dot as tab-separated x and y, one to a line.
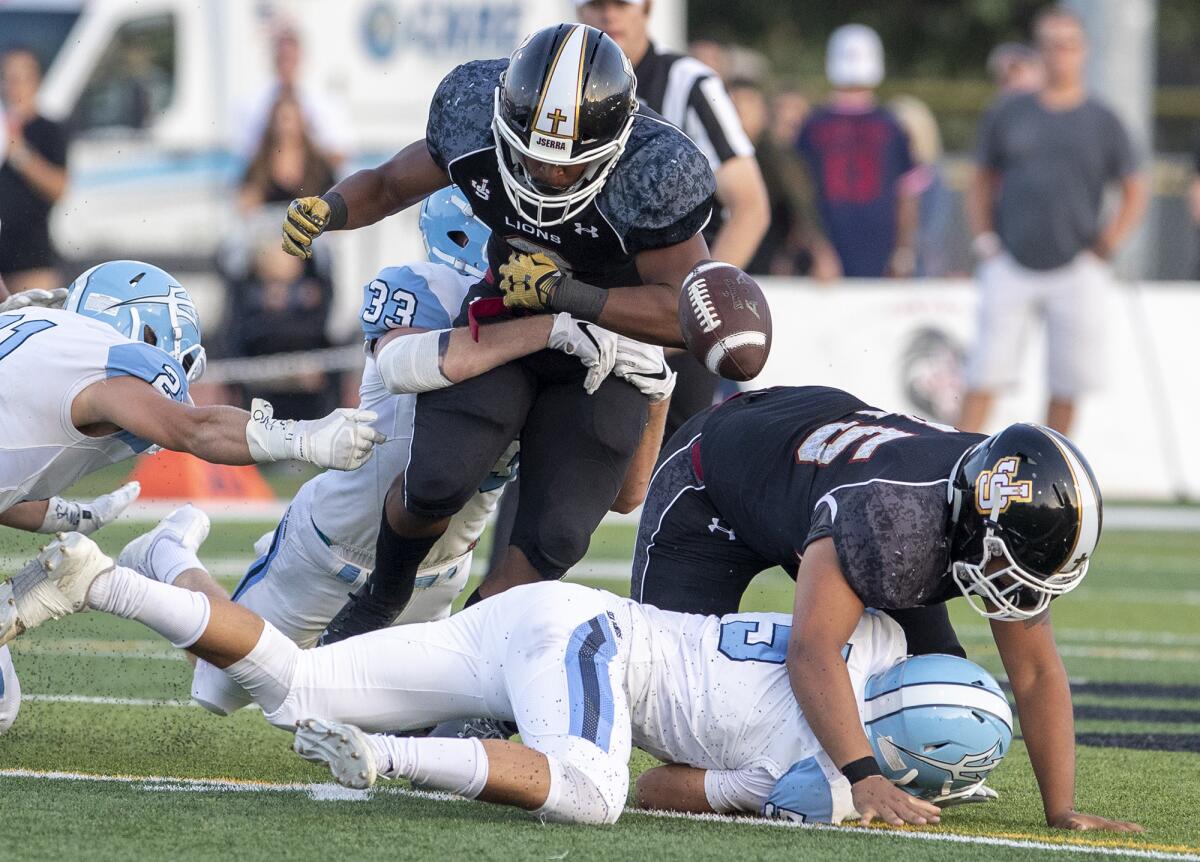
876	798
88	516
306	219
41	298
592	345
528	281
645	366
1084	822
343	440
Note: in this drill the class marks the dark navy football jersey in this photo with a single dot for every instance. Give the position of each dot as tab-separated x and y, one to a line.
791	465
659	193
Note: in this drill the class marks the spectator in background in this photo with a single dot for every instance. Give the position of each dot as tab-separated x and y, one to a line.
935	206
1014	68
287	163
691	96
1194	202
859	159
323	116
1042	165
783	250
33	176
276	305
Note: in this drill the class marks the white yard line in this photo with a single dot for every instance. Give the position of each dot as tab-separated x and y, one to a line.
333	792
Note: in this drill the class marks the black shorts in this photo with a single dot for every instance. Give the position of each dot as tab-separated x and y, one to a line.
575	450
689	557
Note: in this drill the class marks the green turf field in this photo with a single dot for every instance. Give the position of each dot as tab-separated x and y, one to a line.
109	761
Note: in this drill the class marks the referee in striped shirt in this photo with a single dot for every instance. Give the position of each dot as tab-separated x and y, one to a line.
690	95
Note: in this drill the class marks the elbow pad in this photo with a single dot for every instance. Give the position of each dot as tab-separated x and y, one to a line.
413	363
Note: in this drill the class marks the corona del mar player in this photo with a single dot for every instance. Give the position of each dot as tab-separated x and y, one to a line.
106	378
324	546
595	206
585	675
866	508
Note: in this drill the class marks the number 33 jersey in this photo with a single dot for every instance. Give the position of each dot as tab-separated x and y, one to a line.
47	357
790	465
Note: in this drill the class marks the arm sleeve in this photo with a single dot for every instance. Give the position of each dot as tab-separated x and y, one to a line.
400	297
713	123
730	790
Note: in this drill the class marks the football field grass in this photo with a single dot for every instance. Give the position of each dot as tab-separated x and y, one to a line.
109	760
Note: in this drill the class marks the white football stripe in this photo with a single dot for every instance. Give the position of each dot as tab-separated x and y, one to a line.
1089	505
938	694
560	99
718	351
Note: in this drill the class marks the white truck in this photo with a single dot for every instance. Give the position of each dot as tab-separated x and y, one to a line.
154	90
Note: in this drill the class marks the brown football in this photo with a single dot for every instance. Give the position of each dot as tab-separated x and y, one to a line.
725	320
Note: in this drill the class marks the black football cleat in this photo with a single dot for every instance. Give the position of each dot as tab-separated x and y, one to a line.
364	613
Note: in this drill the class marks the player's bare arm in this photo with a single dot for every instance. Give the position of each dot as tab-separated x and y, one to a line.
1043	694
641	468
220	434
364	198
825	614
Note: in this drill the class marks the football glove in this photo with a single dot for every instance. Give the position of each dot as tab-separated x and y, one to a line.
343	440
88	516
528	281
41	298
592	345
306	219
645	367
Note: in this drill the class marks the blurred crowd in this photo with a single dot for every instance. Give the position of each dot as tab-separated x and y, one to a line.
829	185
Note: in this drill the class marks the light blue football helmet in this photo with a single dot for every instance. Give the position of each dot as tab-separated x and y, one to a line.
939	724
452	234
144	303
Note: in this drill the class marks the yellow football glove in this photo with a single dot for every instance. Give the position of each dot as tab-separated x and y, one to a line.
529	281
306	219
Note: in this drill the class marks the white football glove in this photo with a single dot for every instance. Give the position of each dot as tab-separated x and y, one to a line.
42	298
645	367
592	345
88	516
340	441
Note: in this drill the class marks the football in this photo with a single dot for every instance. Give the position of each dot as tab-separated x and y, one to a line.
725	320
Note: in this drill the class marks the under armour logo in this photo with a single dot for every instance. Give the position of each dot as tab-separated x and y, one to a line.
715	527
481	188
590	230
996	490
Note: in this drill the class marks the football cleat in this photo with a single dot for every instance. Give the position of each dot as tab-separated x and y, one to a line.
53	584
475	728
364	613
186	526
341	747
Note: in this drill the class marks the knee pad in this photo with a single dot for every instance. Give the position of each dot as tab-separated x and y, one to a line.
10	691
587	785
216	692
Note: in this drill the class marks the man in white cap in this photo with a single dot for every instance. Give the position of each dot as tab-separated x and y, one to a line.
861	165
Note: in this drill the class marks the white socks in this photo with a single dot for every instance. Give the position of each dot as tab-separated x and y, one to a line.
169	559
179	615
458	766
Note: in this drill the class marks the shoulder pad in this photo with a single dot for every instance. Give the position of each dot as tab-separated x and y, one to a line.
401	296
810	793
146	362
460	114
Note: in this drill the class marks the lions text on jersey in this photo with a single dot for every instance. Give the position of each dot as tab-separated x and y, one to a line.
47	357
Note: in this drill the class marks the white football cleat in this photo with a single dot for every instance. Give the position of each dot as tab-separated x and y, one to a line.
187	527
342	747
53	584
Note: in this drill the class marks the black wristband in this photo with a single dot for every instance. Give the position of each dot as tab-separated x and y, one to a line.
856	770
582	301
338	214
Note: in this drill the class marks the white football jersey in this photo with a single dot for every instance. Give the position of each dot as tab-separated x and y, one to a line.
345	506
714	692
47	357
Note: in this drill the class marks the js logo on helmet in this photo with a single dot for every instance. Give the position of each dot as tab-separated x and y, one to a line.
997	488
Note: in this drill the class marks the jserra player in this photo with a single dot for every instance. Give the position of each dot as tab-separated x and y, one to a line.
595	207
866	508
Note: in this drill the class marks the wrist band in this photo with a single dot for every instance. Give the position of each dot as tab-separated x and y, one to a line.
337	210
581	301
856	770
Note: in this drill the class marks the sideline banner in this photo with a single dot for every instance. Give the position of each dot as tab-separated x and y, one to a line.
901	345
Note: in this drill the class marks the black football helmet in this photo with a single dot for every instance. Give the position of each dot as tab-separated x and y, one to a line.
568	97
1027	498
